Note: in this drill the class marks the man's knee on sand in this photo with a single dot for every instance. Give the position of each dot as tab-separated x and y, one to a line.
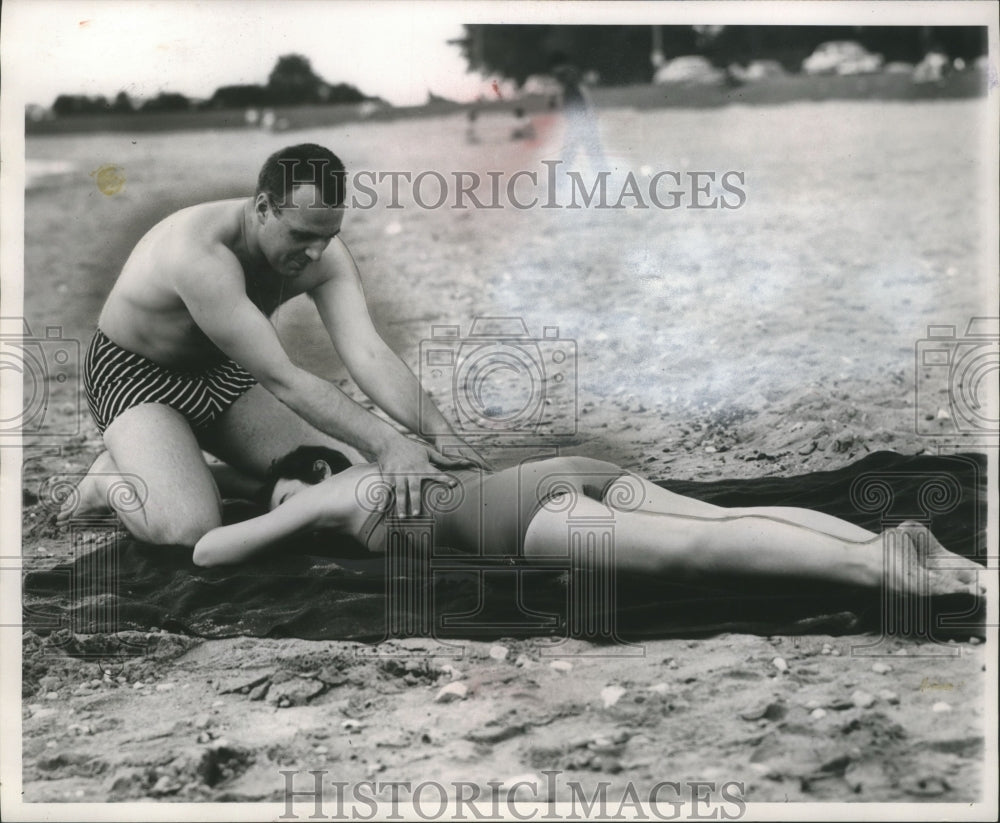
165	520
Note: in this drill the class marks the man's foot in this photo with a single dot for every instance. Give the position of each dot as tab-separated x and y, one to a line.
90	495
913	567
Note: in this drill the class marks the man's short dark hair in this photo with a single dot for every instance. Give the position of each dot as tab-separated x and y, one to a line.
304	164
300	464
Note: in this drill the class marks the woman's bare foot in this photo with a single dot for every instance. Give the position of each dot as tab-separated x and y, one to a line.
912	564
90	494
938	557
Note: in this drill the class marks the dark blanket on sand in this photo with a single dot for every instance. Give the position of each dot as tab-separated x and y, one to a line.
325	588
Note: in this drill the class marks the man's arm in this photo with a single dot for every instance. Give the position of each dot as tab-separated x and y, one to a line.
376	368
215	295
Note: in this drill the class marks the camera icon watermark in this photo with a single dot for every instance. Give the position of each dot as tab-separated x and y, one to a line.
957	380
47	364
502	382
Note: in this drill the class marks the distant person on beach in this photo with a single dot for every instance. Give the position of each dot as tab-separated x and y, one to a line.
581	134
526	512
185	358
471	135
525	129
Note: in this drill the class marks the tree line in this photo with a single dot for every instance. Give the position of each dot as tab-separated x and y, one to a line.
622	54
292	82
618	54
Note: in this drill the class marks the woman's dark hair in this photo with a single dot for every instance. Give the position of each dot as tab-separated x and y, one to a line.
300	464
306	164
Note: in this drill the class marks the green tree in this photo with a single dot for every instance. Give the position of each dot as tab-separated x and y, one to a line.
619	54
67	105
241	97
342	93
167	101
122	104
292	81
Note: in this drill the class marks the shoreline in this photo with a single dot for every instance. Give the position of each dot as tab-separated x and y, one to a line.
783	90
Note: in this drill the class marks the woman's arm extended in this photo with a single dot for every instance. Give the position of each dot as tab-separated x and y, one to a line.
327	505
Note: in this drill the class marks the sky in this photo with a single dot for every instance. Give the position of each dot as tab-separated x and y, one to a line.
396	51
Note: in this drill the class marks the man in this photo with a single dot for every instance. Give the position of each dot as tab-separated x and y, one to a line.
581	134
185	358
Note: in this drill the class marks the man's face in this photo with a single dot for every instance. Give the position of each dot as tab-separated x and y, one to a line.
295	236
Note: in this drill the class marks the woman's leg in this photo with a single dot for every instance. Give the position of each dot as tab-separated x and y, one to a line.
747	545
659	500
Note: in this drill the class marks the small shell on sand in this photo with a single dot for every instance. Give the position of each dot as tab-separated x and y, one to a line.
611	695
499	652
453	691
862	699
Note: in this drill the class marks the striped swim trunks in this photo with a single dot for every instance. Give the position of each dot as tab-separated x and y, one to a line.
116	380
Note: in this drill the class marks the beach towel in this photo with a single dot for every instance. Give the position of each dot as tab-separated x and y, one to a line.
327	587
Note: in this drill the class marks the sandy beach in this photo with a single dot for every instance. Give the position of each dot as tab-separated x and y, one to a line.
777	338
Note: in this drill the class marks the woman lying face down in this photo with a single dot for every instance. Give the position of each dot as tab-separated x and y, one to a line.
526	511
306	466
